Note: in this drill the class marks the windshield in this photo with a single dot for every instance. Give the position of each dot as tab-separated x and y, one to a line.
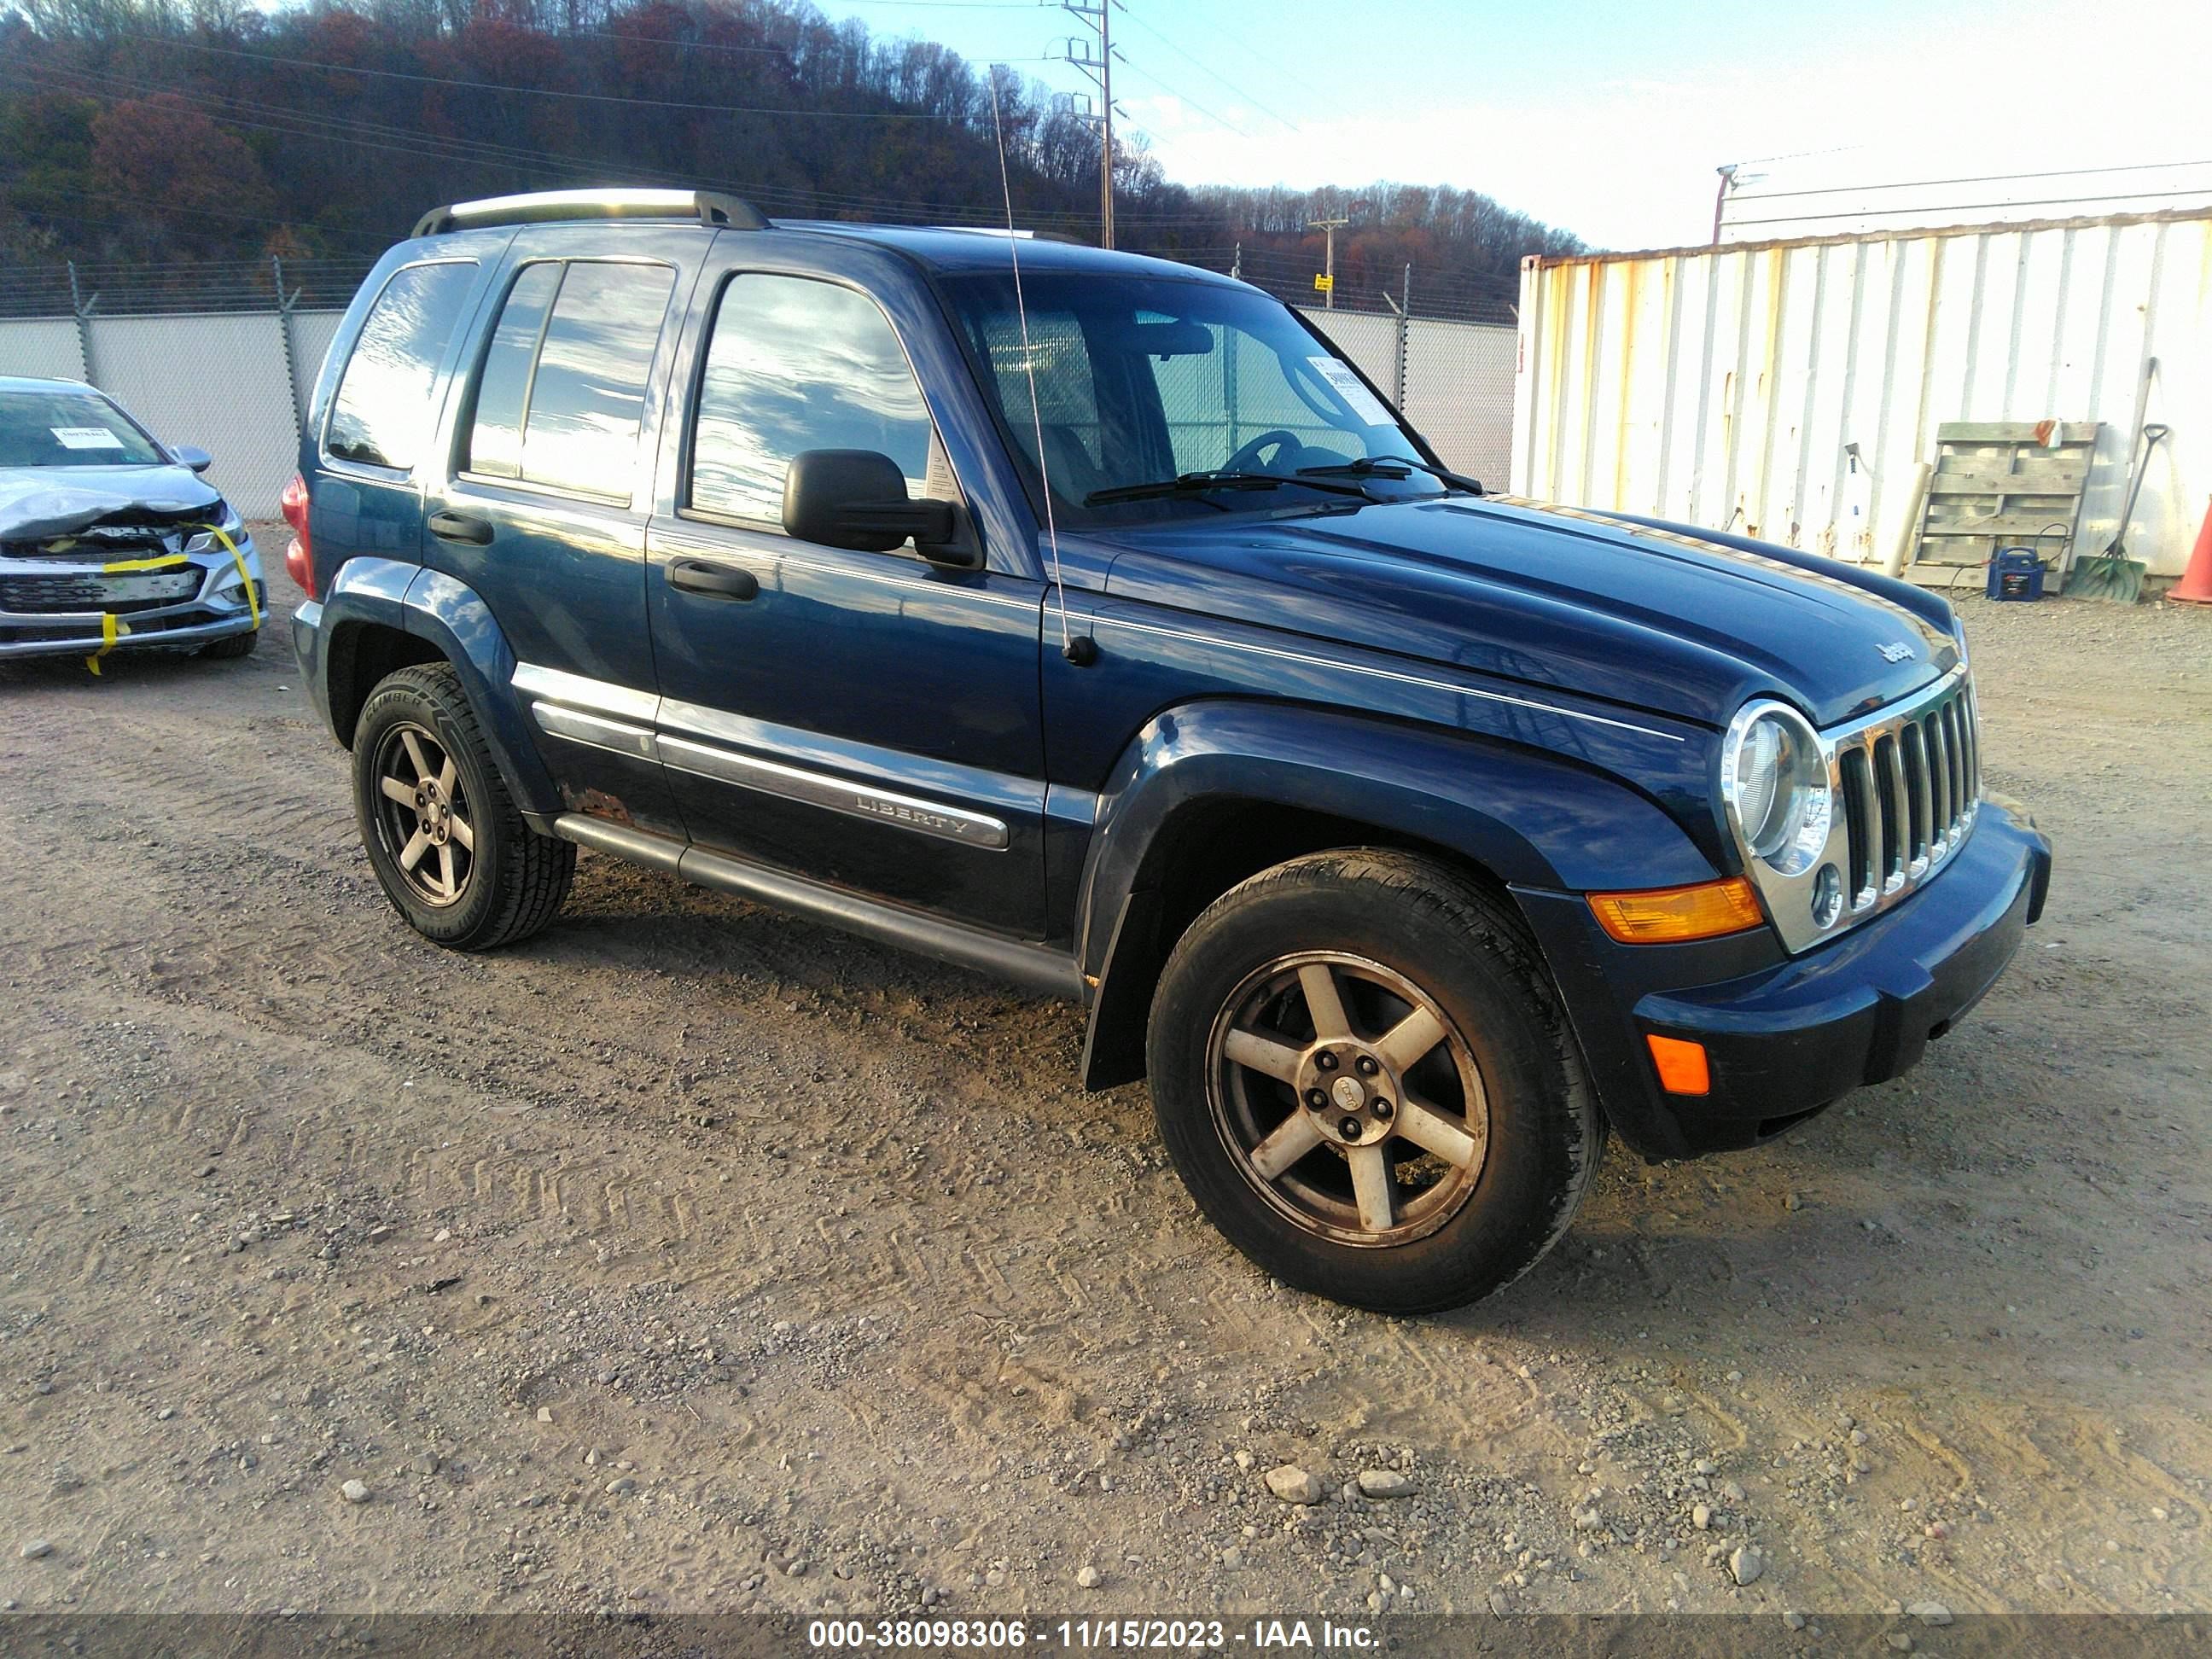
1141	379
64	428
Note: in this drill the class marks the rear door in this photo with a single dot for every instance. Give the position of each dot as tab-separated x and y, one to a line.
868	719
544	512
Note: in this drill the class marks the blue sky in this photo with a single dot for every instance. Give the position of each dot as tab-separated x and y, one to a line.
1609	117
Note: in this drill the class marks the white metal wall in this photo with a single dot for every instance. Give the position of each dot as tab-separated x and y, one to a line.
215	380
45	347
1369	339
1455	384
1459	394
1725	388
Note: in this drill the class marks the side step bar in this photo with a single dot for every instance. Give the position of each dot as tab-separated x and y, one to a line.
1034	967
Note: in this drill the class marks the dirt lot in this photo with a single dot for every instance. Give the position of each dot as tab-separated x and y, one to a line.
692	1257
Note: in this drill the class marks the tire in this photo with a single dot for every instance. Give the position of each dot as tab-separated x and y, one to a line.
449	848
232	646
1438	1176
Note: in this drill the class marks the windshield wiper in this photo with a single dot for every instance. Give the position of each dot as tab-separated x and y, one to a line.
1393	466
1200	484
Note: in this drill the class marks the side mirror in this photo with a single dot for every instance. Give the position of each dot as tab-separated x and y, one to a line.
192	456
857	498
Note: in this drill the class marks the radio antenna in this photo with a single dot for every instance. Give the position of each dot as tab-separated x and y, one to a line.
1068	647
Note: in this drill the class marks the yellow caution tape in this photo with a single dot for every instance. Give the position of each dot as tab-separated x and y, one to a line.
252	605
109	629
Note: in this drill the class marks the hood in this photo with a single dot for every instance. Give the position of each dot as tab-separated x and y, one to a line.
1661	617
37	503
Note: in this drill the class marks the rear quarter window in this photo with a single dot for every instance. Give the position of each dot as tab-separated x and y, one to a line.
383	411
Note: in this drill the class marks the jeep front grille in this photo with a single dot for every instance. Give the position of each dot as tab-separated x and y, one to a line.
1908	781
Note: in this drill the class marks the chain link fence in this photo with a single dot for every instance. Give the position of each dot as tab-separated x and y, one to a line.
1452	381
225	357
221	356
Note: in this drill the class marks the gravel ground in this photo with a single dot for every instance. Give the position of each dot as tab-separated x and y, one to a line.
692	1257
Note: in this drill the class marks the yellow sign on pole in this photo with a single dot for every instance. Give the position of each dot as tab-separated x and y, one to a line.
1323	284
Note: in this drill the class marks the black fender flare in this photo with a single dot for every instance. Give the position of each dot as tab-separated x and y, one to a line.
1526	817
452	619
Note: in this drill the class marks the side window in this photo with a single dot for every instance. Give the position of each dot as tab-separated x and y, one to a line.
1067	400
496	441
383	408
562	393
796	364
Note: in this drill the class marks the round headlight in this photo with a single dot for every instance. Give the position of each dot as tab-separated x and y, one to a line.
1776	786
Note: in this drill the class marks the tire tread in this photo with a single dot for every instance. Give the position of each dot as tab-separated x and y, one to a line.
534	871
1432	891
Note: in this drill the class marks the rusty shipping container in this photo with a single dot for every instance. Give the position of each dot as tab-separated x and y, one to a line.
1788	389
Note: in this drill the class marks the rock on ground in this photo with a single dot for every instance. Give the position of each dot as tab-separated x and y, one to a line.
1387	1483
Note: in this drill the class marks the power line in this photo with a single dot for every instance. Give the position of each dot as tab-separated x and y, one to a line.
1211	70
548	92
1968	207
529	162
1982	178
1210	114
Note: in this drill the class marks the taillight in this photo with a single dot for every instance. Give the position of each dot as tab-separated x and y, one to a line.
299	556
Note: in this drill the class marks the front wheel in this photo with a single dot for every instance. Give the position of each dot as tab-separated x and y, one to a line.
1362	1073
449	847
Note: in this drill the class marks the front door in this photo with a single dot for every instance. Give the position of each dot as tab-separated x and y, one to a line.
544	516
867	719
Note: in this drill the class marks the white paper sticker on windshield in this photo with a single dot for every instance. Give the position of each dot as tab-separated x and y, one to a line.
1366	405
85	437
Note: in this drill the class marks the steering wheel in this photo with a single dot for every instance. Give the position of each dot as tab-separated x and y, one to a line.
1247	458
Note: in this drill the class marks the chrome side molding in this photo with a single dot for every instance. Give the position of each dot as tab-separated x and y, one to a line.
630	722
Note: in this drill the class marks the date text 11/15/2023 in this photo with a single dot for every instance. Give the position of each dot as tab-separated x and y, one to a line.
983	1636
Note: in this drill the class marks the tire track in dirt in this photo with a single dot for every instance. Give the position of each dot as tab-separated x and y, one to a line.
677	1126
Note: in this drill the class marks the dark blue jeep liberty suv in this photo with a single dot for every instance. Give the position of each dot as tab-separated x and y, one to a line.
1091	621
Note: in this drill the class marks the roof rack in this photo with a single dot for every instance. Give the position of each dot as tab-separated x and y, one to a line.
1003	234
710	208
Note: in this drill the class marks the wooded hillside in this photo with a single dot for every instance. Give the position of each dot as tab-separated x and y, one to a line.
206	131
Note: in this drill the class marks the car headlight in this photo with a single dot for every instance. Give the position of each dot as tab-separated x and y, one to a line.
1775	784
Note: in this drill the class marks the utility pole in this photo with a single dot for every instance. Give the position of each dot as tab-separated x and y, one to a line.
1101	71
1328	227
1720	197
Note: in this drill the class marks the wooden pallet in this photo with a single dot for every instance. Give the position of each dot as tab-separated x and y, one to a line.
1996	485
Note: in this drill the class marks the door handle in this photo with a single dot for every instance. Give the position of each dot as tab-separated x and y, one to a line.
719	581
461	527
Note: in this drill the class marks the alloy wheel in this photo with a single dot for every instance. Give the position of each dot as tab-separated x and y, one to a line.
1347	1098
424	814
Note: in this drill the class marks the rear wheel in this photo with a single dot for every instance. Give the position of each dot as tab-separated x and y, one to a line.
447	844
1361	1071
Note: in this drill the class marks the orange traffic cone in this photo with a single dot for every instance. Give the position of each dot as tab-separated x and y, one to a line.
2195	586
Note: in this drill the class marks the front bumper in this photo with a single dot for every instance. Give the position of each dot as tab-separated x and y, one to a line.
1787	1036
56	607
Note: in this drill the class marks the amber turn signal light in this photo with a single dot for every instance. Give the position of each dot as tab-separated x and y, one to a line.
1682	1067
1661	916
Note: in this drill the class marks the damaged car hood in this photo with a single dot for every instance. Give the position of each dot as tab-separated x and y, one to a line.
40	503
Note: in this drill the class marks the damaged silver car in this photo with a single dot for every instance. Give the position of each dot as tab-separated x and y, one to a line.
112	541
